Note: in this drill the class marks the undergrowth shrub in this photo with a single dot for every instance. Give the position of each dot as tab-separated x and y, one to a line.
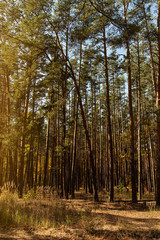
30	194
120	187
32	212
7	205
9	186
40	193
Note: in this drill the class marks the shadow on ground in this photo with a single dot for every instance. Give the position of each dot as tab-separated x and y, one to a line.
100	221
126	234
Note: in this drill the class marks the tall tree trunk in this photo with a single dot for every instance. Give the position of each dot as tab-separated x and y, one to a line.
9	152
64	92
95	129
15	162
117	168
23	140
158	111
86	147
133	167
139	122
107	162
109	130
58	142
75	129
31	154
45	179
53	152
36	170
101	170
152	160
40	168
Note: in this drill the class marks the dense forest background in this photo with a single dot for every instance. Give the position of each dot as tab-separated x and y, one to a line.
80	96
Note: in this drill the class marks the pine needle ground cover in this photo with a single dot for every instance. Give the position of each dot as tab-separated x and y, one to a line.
34	217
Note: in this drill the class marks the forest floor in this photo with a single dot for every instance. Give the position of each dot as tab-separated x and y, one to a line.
79	219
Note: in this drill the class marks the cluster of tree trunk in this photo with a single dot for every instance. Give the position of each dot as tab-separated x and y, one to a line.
75	112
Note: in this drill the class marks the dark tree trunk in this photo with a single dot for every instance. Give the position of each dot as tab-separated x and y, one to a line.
158	111
45	179
139	122
36	170
53	153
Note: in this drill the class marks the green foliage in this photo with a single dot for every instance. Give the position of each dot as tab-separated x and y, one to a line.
120	187
30	195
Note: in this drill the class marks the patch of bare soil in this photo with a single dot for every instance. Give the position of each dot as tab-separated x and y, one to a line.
113	221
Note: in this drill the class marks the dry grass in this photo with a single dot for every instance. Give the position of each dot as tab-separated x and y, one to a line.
36	218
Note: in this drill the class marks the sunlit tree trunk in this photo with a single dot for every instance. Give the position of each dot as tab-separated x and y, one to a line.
9	152
75	130
23	140
100	165
133	167
139	121
109	130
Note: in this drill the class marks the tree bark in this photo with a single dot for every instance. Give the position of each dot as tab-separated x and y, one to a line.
109	130
139	122
45	179
23	140
9	152
75	130
53	162
133	168
158	111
